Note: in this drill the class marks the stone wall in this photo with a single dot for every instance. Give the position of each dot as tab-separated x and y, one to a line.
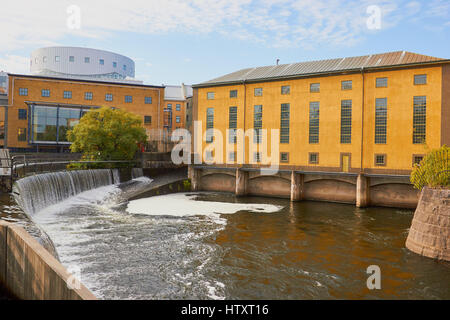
430	229
30	272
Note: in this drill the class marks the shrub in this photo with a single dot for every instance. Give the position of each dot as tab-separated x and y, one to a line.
433	170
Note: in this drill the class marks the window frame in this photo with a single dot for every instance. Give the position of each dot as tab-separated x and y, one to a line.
67	94
258	92
383	85
147	119
377	164
210	95
311	90
22	114
45	93
281	157
233	94
418	83
107	95
310	154
286	92
23	92
344	85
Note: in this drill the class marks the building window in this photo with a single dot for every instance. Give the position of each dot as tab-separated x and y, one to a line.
314	114
147	119
286	90
101	62
169	107
233	93
23	91
114	64
57	58
178	107
22	114
108	97
210	95
380	160
232	125
346	121
258	92
257	157
2	129
209	125
257	124
417	159
284	126
148	100
71	59
284	157
177	119
45	93
128	99
22	134
67	94
346	85
88	96
380	120
87	60
313	158
381	82
419	119
209	155
124	67
420	79
232	156
314	87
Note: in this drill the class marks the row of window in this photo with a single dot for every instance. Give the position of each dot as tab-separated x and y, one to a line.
22	115
419	79
86	60
313	158
177	107
87	96
419	122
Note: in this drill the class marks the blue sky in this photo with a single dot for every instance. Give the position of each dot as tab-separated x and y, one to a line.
191	41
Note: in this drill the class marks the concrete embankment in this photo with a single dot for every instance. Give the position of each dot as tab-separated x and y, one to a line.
430	229
30	272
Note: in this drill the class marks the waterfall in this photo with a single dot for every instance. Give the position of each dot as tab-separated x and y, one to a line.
37	192
137	173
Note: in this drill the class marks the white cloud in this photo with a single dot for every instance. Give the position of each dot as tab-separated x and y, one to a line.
14	64
278	23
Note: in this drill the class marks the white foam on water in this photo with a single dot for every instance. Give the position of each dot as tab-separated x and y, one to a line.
184	205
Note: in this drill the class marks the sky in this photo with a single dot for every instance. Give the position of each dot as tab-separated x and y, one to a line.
191	41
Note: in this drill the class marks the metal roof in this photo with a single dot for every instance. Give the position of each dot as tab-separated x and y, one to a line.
179	93
321	67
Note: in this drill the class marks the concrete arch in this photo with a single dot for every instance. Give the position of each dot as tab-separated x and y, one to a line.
274	186
334	190
398	194
218	182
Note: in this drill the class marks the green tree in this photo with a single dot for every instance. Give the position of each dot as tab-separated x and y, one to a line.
107	134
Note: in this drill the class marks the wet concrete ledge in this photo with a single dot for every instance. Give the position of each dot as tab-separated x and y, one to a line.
30	272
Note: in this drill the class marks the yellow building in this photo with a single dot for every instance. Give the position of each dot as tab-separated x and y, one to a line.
40	109
361	118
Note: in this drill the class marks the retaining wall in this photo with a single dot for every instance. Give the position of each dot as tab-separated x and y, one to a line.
429	234
30	272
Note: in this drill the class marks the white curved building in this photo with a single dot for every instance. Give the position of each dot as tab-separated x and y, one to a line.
76	62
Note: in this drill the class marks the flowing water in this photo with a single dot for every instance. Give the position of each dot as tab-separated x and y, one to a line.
217	246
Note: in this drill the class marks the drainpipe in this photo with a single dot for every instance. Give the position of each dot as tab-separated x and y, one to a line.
245	111
362	122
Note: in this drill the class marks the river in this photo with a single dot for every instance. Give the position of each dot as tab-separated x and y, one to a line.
217	246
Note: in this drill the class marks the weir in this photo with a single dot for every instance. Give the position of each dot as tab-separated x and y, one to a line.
37	192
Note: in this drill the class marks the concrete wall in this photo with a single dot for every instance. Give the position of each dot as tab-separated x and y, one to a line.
30	272
394	191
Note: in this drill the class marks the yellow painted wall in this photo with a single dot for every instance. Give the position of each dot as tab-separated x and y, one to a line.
399	93
57	88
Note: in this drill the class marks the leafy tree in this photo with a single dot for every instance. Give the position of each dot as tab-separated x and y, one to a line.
433	170
107	134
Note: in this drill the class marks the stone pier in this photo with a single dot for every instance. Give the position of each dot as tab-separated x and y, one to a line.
241	182
362	191
297	180
429	234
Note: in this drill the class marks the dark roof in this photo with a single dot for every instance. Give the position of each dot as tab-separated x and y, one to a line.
329	66
84	80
